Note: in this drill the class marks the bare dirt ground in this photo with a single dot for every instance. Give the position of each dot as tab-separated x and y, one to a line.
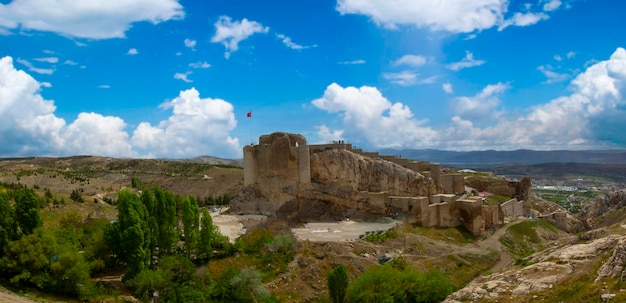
340	231
8	297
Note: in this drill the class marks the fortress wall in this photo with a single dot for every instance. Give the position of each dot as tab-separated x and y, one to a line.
447	183
370	154
434	199
445	220
471	216
518	209
433	215
378	199
426	174
508	208
424	212
458	184
493	216
322	147
414	166
249	165
400	202
304	164
435	171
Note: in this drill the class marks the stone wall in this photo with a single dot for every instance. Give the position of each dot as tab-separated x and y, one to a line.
513	208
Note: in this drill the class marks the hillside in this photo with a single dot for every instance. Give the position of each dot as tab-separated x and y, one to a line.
524	260
103	177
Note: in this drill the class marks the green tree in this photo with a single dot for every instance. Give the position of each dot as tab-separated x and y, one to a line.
207	230
153	224
338	283
191	220
28	259
7	222
134	233
167	219
246	286
27	211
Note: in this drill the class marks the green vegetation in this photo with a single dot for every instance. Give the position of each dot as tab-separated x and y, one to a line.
388	283
523	240
570	200
380	236
338	283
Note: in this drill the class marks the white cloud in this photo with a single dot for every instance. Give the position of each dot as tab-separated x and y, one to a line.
369	118
552	5
45	84
590	117
104	86
553	77
287	41
558	58
196	127
523	19
353	62
230	33
70	62
570	55
200	64
466	62
326	135
29	126
410	60
190	43
86	19
462	16
447	87
183	76
50	60
132	51
481	106
406	78
44	71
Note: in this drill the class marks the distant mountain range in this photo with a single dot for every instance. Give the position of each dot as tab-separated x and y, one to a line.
521	156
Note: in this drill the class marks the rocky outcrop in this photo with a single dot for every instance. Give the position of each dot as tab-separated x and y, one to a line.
603	204
614	267
551	266
340	172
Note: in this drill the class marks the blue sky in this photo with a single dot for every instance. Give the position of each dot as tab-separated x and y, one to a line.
167	78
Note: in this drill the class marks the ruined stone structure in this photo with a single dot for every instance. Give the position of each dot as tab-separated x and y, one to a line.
284	176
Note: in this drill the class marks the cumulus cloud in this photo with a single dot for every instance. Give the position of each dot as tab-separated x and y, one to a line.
466	62
481	106
450	16
326	135
29	126
86	19
410	60
590	117
196	126
230	33
407	78
183	76
369	118
132	51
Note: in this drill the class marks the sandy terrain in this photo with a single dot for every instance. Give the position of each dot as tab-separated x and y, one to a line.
8	297
338	231
234	226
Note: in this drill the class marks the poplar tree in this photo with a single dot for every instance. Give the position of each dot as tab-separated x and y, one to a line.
135	233
338	283
191	220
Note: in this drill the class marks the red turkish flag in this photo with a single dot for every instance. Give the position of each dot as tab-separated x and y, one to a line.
249	115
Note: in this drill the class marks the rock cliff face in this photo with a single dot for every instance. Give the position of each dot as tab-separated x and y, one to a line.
336	168
603	204
342	184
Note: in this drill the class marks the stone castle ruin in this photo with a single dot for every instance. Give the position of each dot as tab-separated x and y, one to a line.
285	177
